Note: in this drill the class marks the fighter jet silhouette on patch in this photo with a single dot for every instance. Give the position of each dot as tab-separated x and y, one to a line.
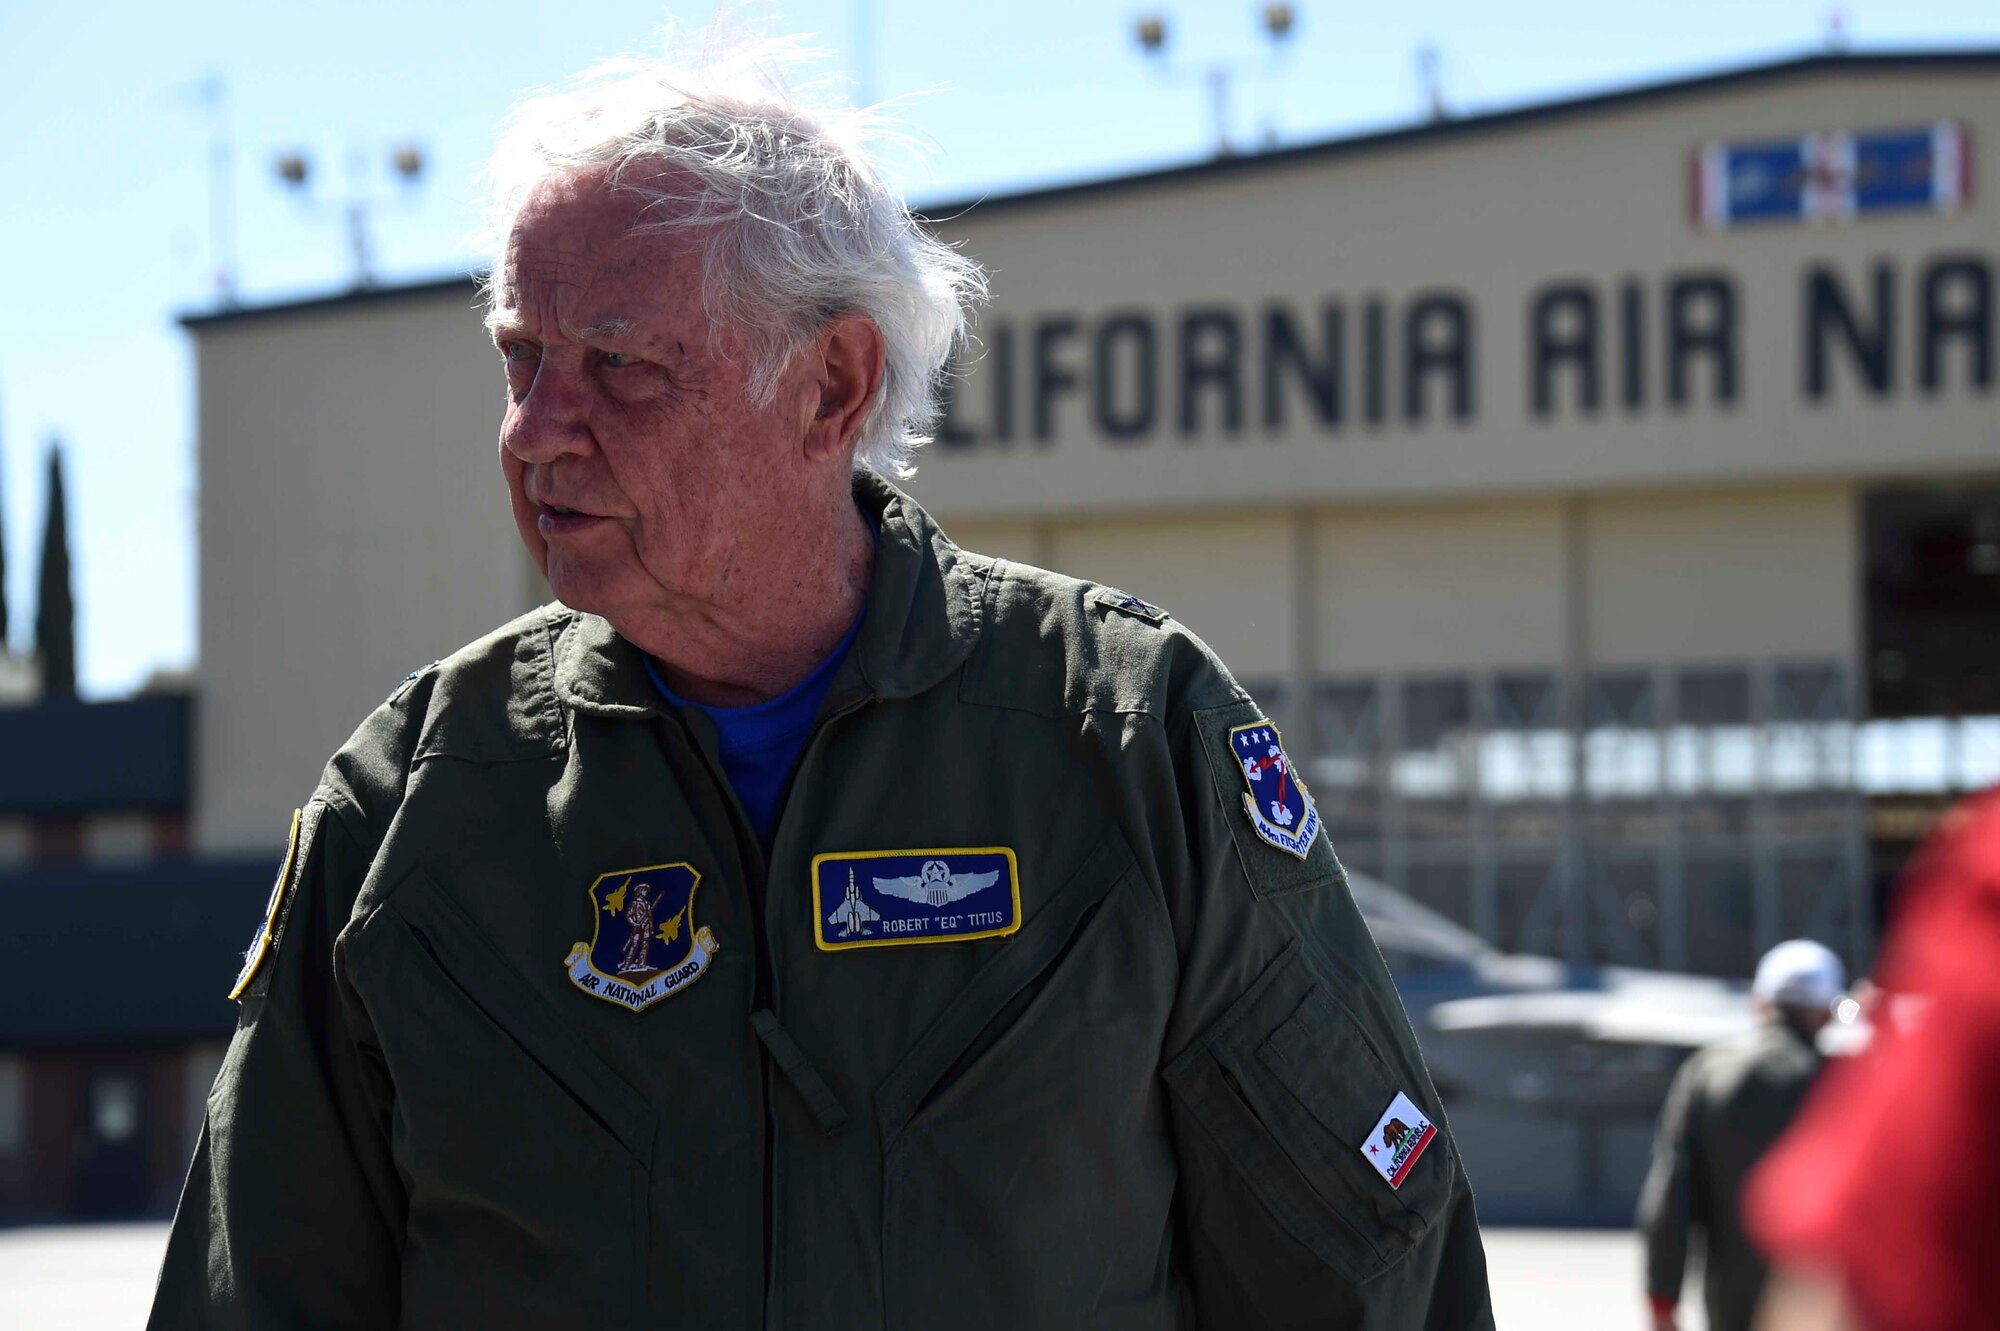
853	915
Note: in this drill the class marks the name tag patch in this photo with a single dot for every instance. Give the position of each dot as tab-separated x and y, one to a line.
1398	1138
888	898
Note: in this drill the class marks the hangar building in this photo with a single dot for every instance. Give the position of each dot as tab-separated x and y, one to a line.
1604	496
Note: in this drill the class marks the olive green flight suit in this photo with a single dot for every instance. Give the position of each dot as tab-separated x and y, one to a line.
1145	1109
1728	1105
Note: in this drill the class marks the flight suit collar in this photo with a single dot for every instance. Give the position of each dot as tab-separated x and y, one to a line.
922	621
599	672
926	604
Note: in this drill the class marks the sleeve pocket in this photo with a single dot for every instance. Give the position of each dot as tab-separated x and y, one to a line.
1288	1085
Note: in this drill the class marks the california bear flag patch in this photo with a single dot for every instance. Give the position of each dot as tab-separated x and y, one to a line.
1398	1138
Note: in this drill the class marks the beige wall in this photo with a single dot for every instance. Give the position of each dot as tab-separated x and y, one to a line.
1438	587
1230	579
1022	542
1731	576
353	528
1494	217
1664	577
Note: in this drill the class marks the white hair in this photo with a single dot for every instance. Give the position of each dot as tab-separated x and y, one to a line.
795	223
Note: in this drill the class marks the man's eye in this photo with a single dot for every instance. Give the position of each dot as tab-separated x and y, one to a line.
516	351
614	360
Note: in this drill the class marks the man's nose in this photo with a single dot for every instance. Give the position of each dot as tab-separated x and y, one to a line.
552	419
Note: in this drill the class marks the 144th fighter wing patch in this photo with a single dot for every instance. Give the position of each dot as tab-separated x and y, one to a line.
1280	808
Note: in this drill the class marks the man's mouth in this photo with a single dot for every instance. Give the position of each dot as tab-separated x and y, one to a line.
560	519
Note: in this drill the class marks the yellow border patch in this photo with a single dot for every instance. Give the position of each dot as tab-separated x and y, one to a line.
1012	925
261	946
1294	842
623	990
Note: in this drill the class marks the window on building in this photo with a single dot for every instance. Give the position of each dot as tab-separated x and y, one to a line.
13	1105
118	838
1433	766
55	839
17	841
1933	596
1675	816
1346	768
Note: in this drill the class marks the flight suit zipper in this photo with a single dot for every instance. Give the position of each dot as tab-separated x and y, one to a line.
764	999
773	1316
756	875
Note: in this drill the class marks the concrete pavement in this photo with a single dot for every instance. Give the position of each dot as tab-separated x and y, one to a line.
100	1278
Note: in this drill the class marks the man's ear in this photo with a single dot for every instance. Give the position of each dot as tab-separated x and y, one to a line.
850	357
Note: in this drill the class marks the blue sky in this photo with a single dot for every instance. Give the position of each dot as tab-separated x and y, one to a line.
105	219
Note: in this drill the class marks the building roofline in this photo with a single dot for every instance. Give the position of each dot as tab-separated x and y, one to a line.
1873	62
237	314
1880	62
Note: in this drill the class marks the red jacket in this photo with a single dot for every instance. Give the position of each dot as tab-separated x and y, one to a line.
1890	1180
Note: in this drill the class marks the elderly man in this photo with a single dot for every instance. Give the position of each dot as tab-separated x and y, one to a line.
1728	1106
804	922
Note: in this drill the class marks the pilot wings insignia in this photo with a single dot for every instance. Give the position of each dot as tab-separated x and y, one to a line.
936	884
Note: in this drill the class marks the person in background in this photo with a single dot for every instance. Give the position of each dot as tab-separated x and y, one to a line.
1729	1103
1881	1208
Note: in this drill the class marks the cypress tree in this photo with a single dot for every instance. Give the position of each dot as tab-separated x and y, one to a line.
55	607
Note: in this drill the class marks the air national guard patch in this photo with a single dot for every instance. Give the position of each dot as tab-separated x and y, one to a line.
1278	803
644	943
1398	1138
887	898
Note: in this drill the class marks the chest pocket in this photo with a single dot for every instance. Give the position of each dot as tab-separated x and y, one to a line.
1290	1087
527	1156
1036	1083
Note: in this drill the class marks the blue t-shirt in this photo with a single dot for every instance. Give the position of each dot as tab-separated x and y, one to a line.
761	742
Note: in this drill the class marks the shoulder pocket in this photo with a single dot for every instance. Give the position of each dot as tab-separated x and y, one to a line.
1289	1087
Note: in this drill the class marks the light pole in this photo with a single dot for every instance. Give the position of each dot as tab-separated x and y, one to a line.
295	171
1277	20
213	94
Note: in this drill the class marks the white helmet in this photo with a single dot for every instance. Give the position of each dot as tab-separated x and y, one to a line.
1800	973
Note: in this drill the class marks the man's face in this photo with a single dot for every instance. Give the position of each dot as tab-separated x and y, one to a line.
642	477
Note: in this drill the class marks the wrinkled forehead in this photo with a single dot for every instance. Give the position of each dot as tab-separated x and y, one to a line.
582	231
